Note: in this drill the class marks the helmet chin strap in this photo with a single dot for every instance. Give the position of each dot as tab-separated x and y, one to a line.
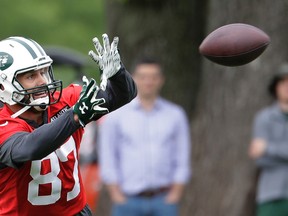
18	113
40	107
43	103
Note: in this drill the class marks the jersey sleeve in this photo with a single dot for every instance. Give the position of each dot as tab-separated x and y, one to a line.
26	146
120	90
9	128
71	94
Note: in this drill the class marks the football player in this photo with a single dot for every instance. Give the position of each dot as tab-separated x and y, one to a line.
41	126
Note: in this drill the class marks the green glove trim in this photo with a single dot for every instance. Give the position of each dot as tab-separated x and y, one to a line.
88	106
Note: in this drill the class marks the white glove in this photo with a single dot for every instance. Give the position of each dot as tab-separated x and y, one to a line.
108	59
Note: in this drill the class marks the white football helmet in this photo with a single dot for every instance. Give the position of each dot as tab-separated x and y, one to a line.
19	55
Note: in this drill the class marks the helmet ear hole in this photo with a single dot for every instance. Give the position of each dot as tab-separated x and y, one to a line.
2	87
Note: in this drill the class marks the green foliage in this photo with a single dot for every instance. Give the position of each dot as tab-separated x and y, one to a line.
141	3
65	23
123	1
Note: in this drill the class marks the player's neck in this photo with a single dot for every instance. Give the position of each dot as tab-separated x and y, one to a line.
30	114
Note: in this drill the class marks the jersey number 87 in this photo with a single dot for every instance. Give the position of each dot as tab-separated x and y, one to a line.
55	158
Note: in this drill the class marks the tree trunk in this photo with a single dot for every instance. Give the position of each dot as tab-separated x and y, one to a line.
168	30
224	176
220	101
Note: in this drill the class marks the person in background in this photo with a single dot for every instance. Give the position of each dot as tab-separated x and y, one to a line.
269	149
144	149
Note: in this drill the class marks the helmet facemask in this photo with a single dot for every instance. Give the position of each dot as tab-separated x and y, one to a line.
26	96
19	55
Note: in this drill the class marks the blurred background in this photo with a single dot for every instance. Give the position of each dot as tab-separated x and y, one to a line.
220	101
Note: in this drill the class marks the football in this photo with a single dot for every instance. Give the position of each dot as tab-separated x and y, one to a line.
234	44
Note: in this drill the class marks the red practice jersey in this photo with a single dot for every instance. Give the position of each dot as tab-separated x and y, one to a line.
50	186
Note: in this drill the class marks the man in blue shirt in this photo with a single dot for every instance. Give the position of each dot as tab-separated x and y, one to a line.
145	150
269	148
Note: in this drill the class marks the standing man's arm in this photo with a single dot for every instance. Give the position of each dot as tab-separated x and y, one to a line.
259	142
115	193
265	153
182	160
108	158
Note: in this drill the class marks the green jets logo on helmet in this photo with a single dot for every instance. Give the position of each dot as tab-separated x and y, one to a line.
6	61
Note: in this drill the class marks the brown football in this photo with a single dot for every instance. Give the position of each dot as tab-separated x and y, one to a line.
234	44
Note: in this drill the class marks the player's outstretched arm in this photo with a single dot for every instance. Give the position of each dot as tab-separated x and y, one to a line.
117	85
25	146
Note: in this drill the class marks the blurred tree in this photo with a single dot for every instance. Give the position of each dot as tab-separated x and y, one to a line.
167	30
65	23
224	177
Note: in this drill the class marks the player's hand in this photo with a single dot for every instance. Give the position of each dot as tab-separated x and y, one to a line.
88	106
84	86
107	58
